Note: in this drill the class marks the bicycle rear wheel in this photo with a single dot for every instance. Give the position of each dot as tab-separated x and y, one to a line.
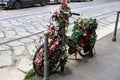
90	52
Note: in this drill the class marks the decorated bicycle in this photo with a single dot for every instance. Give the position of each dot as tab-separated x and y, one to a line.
60	46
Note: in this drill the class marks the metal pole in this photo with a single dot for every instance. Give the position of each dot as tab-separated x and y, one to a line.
63	34
116	24
46	57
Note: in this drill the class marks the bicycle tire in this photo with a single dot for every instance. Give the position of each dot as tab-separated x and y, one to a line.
88	49
63	62
51	67
34	63
89	53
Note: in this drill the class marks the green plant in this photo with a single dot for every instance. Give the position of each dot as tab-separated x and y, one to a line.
29	74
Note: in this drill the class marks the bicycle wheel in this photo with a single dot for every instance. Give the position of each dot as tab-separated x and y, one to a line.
87	51
87	46
38	61
53	59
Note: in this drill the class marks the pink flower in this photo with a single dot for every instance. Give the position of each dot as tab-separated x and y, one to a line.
38	62
40	54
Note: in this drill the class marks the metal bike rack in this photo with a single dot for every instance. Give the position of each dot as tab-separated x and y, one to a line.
46	57
116	24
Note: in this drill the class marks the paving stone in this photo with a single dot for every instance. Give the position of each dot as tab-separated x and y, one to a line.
8	52
21	20
5	60
2	34
32	17
6	28
10	32
31	48
25	64
14	22
23	33
35	31
34	37
39	16
5	40
5	23
26	40
19	28
36	23
11	74
104	29
110	19
29	26
15	43
105	23
27	18
13	37
37	19
19	50
41	27
4	47
101	33
44	24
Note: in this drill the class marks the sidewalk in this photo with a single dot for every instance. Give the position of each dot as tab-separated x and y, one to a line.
105	65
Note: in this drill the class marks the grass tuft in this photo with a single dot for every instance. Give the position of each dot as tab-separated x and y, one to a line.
29	74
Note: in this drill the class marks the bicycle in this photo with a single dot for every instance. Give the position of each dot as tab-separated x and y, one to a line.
83	39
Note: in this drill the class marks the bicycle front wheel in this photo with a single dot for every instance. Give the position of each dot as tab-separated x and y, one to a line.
38	61
54	61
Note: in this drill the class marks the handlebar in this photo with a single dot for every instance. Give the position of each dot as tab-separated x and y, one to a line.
77	14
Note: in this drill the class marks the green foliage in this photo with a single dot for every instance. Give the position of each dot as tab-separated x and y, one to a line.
92	24
78	30
77	34
29	74
92	40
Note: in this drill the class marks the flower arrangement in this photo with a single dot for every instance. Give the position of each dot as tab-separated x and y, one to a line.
83	36
84	27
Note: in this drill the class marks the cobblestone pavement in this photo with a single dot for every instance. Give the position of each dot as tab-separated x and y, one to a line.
20	30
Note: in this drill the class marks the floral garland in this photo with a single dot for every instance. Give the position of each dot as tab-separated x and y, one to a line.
84	27
61	15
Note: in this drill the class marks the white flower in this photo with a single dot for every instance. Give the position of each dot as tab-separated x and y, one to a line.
56	28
